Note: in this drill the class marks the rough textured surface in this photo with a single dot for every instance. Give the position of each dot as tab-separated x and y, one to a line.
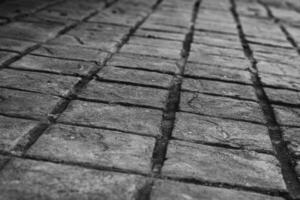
221	106
149	99
196	161
138	120
168	190
228	132
41	180
95	146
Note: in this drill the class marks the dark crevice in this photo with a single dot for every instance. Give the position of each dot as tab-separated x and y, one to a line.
168	121
275	132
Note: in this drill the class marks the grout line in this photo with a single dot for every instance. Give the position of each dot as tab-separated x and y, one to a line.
167	125
274	129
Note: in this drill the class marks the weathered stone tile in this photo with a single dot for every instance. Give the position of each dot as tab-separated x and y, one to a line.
221	107
217	39
5	56
216	60
200	49
215	130
91	35
135	76
67	52
148	25
292	137
158	43
46	64
120	14
220	88
159	35
37	82
151	51
278	68
138	120
219	73
247	168
272	50
27	179
95	146
280	81
217	27
19	103
39	32
171	190
277	58
121	93
283	96
143	62
287	115
251	9
15	45
269	41
11	129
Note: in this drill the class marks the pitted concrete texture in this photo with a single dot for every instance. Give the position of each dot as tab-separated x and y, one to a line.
150	100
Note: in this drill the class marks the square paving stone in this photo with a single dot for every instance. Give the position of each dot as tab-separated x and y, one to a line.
37	82
283	96
11	129
152	51
278	68
159	35
218	73
15	45
221	107
27	180
95	146
223	61
135	76
26	104
216	164
132	119
171	190
273	50
228	132
46	64
282	42
292	137
287	82
5	56
121	93
219	88
216	27
287	115
143	62
75	53
39	32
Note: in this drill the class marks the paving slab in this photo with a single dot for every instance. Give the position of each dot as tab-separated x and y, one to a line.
15	45
37	82
143	62
47	64
29	179
212	130
287	115
219	88
246	168
12	129
26	104
135	76
219	73
292	137
97	147
171	190
121	93
131	119
221	107
75	53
